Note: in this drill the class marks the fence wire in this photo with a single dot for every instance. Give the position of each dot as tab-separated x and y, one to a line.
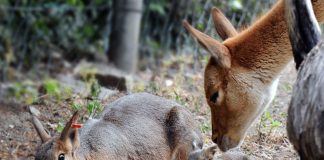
30	34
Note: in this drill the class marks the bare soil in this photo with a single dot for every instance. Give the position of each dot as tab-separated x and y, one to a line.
178	81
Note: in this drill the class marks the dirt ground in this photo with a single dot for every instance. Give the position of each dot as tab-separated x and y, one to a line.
273	143
266	139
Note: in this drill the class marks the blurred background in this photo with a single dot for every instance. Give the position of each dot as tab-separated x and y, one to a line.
38	32
65	55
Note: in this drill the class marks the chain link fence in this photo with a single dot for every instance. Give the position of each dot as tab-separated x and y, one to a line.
32	32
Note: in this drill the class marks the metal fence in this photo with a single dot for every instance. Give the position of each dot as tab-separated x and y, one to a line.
31	32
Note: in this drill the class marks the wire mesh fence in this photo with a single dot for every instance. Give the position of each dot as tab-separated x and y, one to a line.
31	31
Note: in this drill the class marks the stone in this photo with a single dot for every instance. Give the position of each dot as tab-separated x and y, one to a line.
80	88
107	76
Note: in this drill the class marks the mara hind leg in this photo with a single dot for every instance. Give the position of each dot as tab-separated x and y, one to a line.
184	136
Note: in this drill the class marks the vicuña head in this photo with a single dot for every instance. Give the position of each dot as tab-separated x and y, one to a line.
242	74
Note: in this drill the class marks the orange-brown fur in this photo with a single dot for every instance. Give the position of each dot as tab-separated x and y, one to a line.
223	23
257	56
266	43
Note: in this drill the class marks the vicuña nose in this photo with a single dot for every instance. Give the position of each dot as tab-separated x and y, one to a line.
215	138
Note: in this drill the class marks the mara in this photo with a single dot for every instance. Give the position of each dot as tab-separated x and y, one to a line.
139	126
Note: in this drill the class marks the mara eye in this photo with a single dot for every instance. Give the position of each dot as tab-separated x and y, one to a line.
61	157
214	97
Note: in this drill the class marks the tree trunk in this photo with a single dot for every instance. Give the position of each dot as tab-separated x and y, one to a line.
124	38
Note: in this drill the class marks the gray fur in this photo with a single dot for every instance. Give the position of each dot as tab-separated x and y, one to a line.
305	123
138	126
303	28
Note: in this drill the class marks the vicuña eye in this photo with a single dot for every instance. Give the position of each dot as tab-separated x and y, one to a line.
61	157
214	97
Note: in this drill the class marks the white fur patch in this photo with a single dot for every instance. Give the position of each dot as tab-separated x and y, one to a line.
312	15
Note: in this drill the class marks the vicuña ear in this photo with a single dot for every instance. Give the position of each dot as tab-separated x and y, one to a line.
219	52
223	26
69	134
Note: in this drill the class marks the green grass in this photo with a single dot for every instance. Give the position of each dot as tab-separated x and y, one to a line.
24	92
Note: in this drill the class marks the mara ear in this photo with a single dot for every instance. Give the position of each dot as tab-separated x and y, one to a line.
223	26
203	154
69	134
218	51
74	138
40	130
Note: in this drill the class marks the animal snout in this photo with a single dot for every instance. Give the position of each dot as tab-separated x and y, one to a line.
215	138
224	142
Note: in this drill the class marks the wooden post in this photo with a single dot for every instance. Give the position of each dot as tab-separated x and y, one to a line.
124	38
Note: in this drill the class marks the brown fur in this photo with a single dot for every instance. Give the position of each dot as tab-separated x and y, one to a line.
221	22
257	57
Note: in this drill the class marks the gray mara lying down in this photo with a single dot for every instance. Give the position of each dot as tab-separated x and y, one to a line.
138	126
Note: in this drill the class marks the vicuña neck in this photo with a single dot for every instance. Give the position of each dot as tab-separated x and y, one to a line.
264	47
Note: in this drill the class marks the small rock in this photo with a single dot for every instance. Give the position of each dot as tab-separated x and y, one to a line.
11	126
107	76
105	93
112	81
80	88
168	82
34	111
